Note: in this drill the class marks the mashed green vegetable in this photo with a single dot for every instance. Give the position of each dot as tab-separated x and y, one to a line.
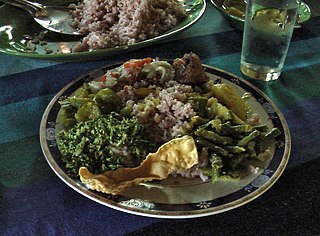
106	143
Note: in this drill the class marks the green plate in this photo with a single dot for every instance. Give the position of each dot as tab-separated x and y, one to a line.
15	24
235	9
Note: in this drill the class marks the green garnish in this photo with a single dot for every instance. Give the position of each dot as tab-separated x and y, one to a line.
106	143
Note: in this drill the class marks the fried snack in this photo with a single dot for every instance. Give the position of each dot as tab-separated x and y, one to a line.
176	155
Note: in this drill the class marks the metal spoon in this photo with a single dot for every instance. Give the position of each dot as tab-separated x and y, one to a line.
54	18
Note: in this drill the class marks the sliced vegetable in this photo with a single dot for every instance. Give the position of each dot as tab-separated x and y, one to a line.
228	96
212	136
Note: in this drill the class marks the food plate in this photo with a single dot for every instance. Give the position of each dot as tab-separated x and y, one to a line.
15	24
235	9
178	197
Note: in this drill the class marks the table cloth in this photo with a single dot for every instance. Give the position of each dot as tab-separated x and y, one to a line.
34	201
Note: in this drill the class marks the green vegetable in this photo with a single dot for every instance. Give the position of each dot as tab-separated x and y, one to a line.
66	115
219	111
212	136
200	105
197	121
245	128
273	133
235	149
79	97
232	141
88	111
84	105
248	138
265	139
216	165
126	111
262	128
251	149
215	148
106	143
228	96
107	97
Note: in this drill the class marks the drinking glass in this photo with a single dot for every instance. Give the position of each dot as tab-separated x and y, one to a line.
267	34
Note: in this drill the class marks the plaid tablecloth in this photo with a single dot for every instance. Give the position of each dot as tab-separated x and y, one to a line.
34	201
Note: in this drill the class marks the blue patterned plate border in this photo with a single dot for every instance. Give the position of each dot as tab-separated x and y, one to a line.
146	204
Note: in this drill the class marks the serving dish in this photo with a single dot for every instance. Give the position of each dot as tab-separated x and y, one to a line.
16	24
178	197
235	10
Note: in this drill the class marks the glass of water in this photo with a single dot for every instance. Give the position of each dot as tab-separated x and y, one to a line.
268	30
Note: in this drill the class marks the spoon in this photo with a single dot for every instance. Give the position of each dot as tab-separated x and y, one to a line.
54	18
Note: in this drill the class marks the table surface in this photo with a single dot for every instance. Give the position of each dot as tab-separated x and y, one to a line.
34	201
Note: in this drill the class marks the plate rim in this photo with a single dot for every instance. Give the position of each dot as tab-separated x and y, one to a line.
156	213
110	51
241	20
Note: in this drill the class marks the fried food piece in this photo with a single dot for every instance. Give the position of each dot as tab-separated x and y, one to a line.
176	155
189	70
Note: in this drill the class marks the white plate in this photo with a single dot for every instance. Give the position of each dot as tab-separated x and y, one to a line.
180	197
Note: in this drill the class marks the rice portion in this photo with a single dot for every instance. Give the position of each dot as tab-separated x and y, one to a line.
165	112
110	23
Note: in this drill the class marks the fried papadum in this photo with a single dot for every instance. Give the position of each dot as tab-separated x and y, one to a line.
176	155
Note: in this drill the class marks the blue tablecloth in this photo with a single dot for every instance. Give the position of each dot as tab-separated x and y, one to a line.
34	201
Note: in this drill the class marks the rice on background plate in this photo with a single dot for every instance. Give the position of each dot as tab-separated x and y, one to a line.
111	23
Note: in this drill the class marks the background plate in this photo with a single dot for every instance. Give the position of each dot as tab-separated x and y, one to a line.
16	23
237	11
180	197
